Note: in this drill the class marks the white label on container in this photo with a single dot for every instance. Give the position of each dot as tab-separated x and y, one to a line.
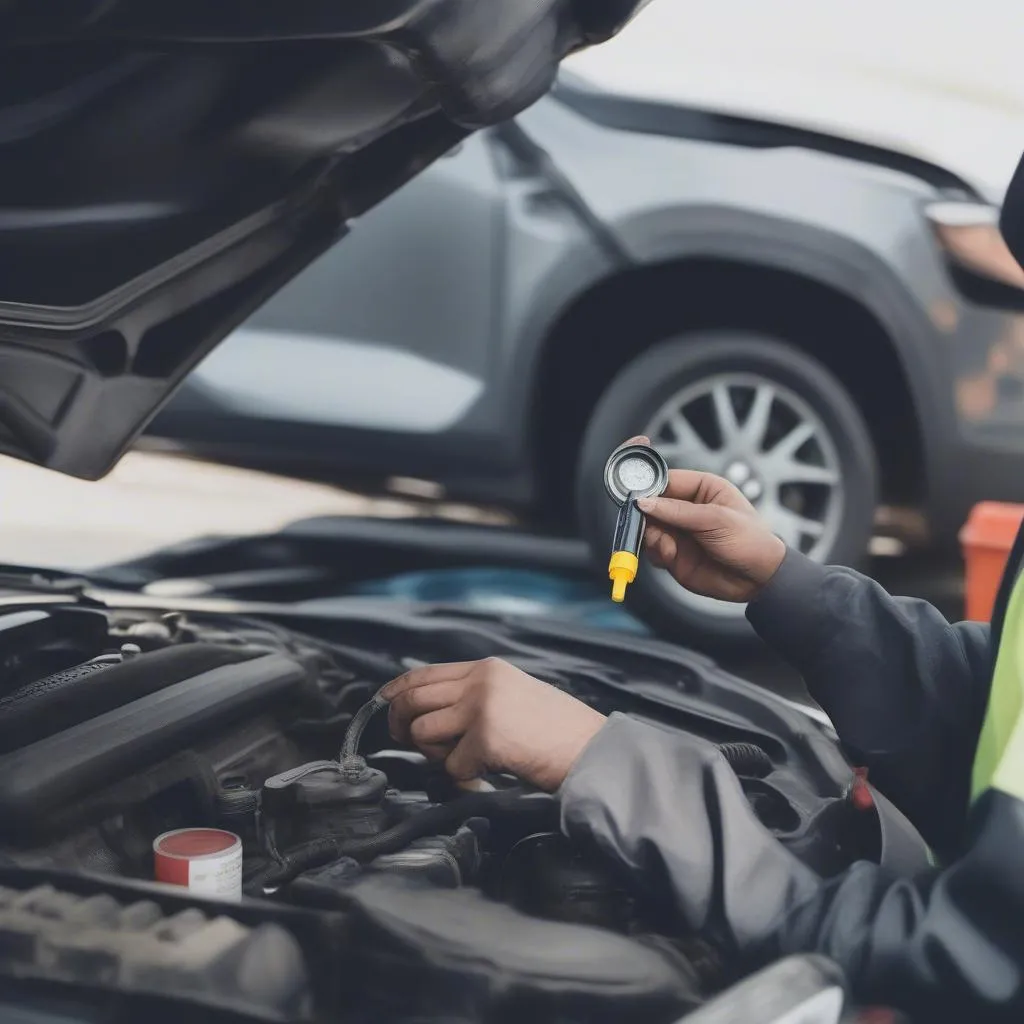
219	876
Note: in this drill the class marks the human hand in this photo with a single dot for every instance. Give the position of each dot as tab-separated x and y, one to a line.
480	716
709	537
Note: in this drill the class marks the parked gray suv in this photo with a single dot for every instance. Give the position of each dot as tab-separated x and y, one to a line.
833	325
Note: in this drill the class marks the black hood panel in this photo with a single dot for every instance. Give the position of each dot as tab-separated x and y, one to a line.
166	166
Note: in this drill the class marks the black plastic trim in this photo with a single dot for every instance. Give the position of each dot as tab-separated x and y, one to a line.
39	779
166	167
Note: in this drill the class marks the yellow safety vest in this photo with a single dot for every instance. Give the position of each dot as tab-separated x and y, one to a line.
999	760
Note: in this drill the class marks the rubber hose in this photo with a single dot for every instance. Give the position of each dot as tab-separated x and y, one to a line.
432	821
354	733
747	759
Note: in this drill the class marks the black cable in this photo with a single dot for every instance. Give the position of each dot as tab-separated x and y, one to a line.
354	733
432	821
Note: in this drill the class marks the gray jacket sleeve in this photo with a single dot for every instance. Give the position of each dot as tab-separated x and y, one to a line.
640	793
905	690
947	944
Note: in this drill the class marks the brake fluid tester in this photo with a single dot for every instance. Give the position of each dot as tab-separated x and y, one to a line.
632	472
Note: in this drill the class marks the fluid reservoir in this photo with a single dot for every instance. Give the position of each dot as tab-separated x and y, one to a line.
325	798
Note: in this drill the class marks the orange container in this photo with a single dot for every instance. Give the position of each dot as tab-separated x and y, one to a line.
986	539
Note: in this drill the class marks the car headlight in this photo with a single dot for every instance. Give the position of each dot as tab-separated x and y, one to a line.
969	235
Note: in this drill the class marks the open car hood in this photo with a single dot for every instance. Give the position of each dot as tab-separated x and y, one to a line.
166	166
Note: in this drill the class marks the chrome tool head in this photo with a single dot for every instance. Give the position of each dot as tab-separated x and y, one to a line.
636	469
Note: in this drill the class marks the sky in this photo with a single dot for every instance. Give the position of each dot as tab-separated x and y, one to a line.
974	48
943	81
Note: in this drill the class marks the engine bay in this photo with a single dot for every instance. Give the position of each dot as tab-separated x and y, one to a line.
372	883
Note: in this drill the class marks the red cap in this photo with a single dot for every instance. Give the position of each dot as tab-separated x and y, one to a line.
194	842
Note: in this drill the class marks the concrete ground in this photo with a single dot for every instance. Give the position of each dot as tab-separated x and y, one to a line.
151	500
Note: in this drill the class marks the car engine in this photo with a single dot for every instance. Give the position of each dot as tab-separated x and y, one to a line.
373	884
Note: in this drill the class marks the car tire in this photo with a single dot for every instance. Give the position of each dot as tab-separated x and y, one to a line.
748	366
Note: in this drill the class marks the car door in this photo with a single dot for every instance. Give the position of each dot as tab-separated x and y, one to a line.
389	330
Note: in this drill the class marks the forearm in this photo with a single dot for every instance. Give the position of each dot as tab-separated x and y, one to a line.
905	689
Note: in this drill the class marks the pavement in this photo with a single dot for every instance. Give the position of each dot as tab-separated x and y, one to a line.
153	499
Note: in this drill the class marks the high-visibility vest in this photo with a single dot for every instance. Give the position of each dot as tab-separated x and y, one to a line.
999	758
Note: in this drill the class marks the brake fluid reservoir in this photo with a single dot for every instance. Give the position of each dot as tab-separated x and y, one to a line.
325	798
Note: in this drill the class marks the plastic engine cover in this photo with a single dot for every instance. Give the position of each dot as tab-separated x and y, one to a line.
469	958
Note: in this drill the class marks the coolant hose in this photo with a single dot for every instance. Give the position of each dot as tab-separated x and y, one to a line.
433	821
354	732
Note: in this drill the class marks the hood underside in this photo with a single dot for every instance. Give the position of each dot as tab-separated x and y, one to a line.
166	167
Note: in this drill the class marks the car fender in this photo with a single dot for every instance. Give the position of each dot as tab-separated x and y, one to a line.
850	224
854	228
813	254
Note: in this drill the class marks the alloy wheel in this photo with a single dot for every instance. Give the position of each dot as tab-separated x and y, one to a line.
766	440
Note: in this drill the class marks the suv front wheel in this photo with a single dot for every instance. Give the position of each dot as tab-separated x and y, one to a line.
758	412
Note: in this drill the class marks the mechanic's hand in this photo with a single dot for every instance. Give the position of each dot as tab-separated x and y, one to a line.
481	716
709	537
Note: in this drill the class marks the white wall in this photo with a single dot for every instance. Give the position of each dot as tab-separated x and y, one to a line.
975	48
946	87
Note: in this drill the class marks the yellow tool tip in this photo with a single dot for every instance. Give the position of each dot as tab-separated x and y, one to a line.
621	571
